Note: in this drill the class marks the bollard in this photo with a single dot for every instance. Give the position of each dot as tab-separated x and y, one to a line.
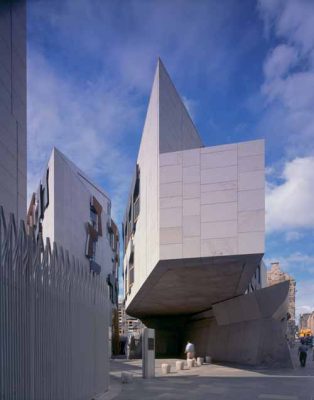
179	365
200	361
190	363
208	359
126	377
165	369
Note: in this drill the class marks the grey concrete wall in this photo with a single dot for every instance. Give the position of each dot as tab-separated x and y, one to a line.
13	107
248	329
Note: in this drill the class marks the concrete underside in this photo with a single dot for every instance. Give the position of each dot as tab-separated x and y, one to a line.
188	286
248	329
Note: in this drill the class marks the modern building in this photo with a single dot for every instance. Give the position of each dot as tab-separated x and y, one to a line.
13	107
276	275
193	235
72	211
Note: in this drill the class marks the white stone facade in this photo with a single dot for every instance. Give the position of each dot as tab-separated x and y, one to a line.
190	204
64	214
212	201
68	212
13	108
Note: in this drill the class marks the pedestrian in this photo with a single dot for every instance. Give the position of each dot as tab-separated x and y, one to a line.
302	353
190	351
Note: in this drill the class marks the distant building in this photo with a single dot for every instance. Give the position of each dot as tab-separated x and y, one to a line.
307	321
304	320
122	319
128	325
13	107
72	211
276	275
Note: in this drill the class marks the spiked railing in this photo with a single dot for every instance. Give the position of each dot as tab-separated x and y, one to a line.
53	321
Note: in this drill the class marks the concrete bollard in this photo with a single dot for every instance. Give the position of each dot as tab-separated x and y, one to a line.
208	359
179	365
190	363
126	377
200	361
165	369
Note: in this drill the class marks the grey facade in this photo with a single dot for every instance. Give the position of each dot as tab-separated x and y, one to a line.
13	107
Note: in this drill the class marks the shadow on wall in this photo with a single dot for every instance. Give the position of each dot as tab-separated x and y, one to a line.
248	330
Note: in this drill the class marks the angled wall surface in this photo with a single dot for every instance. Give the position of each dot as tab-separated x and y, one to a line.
248	329
13	107
67	211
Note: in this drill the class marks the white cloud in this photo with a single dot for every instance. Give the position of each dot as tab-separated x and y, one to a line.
289	205
292	236
294	263
289	74
279	61
291	20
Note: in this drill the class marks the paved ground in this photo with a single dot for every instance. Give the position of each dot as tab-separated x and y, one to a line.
212	382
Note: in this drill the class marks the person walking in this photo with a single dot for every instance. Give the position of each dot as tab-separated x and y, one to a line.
190	351
302	353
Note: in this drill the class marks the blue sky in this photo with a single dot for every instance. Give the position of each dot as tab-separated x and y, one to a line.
245	70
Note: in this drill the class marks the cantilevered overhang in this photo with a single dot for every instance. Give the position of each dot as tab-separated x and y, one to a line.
188	286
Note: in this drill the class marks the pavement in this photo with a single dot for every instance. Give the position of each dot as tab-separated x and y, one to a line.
211	382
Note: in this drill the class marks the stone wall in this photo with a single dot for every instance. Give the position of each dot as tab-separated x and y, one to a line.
307	321
248	329
276	275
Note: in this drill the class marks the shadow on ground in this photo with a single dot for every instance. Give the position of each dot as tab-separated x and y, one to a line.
213	382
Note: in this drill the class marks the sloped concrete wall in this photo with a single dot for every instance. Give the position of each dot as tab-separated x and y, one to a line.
248	329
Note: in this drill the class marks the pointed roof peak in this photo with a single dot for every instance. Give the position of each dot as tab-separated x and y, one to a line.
167	112
160	62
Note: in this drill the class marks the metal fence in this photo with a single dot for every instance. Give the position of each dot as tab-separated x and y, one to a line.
53	321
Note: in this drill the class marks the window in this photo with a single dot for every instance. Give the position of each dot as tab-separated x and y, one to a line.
93	218
258	273
136	195
94	250
131	275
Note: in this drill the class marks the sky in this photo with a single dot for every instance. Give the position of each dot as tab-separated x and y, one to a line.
245	70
